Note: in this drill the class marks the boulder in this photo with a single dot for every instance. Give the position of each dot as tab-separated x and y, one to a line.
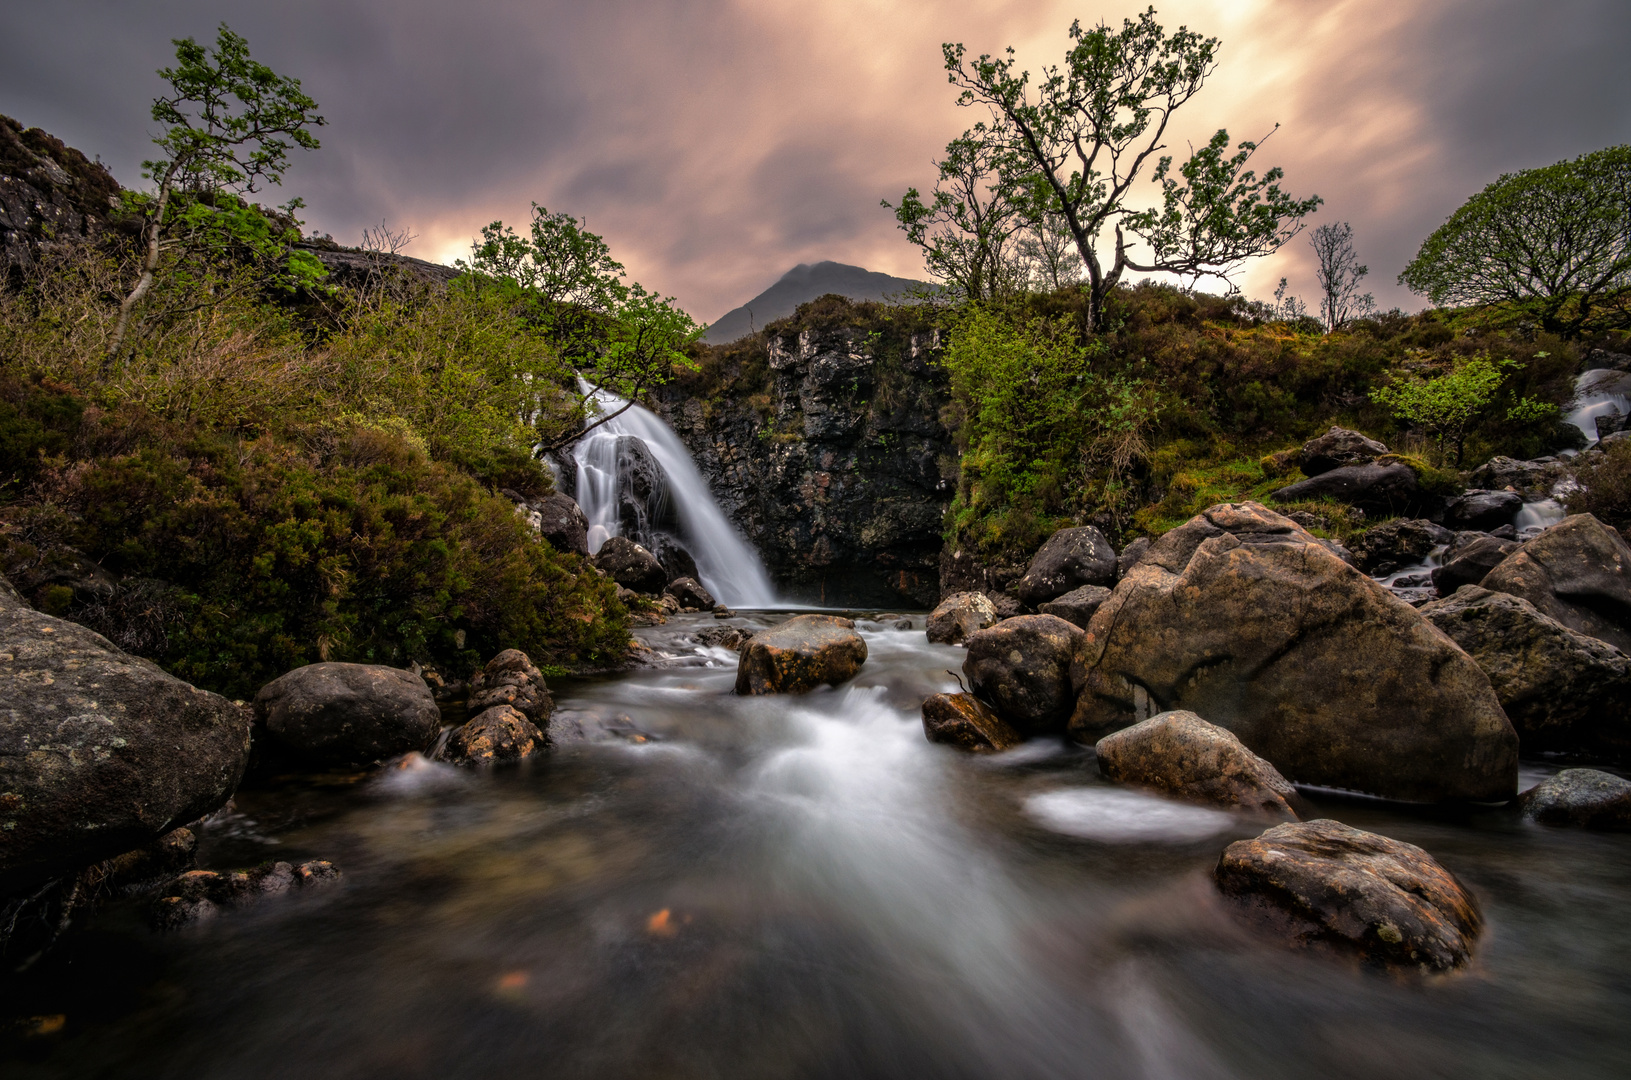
1394	545
723	637
1583	798
101	752
631	565
958	616
644	503
1068	560
1241	616
1562	689
1021	666
348	714
1130	555
1579	573
966	722
560	521
1337	448
501	733
1469	560
799	655
1336	547
56	576
691	595
1078	605
511	678
1477	509
676	559
1524	477
1179	753
1323	884
1390	488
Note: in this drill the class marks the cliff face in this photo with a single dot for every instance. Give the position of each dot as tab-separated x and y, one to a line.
48	192
826	449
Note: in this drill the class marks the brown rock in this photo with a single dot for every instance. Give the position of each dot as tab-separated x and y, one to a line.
1077	606
800	655
1579	573
511	678
1180	753
1022	667
501	733
348	714
958	616
964	721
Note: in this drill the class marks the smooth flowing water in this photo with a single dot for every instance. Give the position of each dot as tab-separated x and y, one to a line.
1599	392
804	887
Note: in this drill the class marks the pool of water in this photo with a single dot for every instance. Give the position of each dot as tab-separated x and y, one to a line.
805	887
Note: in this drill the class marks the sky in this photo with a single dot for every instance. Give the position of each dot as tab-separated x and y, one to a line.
717	143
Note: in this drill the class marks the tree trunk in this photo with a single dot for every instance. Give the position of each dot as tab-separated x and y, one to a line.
150	264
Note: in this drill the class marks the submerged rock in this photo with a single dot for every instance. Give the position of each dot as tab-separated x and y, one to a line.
1579	573
1022	667
966	722
200	895
1583	798
958	616
799	655
348	714
501	733
1337	448
1180	753
631	565
1323	884
1078	605
1068	560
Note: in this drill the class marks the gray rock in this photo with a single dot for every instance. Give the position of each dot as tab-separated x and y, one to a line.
691	595
631	565
1475	509
1181	754
1394	545
1021	666
560	521
348	714
1579	573
1337	448
1386	489
1469	560
1078	605
958	616
1130	555
1068	560
1583	798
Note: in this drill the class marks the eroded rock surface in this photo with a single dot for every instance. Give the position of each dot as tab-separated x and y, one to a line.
799	655
1183	755
1579	573
348	714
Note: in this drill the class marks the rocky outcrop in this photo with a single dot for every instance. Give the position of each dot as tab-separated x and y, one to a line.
631	565
1021	666
1561	689
1078	605
559	519
1322	884
958	616
1579	573
501	733
1337	449
49	193
1394	545
1390	488
1581	798
100	752
1181	754
512	679
799	655
348	714
1241	616
1069	559
966	722
690	594
1469	559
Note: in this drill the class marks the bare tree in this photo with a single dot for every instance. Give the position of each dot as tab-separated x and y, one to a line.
1339	274
381	244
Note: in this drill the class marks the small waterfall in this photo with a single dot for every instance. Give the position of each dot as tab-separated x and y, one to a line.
726	563
1599	392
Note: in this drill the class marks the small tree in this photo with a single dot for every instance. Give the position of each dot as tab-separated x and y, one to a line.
229	124
1450	406
1047	255
1339	273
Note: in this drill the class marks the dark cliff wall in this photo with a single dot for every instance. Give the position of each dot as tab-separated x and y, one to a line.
822	440
48	192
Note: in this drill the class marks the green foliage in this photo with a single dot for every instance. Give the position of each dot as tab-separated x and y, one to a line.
1450	406
562	264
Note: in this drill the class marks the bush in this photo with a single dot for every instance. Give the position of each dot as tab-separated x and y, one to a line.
1605	488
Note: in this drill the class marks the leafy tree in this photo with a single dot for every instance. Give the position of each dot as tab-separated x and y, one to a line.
1553	242
1047	255
562	263
1074	144
229	124
1339	273
1450	406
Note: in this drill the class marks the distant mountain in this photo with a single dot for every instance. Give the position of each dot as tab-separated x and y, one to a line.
800	285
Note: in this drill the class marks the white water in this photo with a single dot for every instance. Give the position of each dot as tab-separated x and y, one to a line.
727	564
1600	392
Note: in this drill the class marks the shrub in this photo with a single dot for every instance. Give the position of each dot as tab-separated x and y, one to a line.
1605	488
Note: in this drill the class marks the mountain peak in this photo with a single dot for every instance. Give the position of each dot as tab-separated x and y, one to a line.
801	284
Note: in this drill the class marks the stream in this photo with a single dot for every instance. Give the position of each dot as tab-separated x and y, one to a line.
806	887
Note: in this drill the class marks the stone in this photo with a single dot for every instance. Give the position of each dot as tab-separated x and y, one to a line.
631	565
799	655
561	522
676	559
1021	667
101	752
511	678
1390	488
1562	690
723	637
1130	555
1336	547
1239	615
958	616
1579	573
644	503
55	577
966	722
501	733
1068	560
1337	448
691	595
348	714
1393	545
1582	798
200	895
1181	754
1078	605
1322	884
1469	560
1483	510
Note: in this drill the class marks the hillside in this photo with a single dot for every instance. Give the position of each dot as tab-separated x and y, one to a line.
800	285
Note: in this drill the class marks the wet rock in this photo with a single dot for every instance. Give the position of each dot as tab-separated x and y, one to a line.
966	722
511	678
723	637
631	565
1021	666
1582	798
173	853
1130	555
1562	689
902	624
100	752
800	655
677	561
644	503
561	522
1476	509
1241	617
1469	560
1337	448
1068	560
1323	884
348	714
501	733
1376	488
1078	605
958	616
690	594
1394	545
200	895
1579	573
1180	753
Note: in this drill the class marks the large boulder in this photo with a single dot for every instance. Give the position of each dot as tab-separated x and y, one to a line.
1021	666
799	655
1070	559
675	557
1078	605
966	722
560	521
958	616
690	594
644	503
1180	753
1469	559
631	565
1579	573
1390	488
348	714
1583	798
1337	448
1241	616
1562	689
501	733
100	752
1323	884
1393	545
1483	510
511	678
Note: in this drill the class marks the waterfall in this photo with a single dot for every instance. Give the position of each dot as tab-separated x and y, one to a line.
1599	392
726	563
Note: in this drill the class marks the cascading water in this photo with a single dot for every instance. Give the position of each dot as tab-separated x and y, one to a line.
1602	392
726	564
